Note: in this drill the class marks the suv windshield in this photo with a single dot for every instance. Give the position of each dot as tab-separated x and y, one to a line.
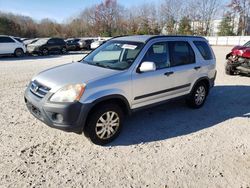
118	55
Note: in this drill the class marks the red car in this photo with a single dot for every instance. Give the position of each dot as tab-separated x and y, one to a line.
238	60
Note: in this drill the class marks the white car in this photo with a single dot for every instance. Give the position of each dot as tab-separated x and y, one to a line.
96	44
9	45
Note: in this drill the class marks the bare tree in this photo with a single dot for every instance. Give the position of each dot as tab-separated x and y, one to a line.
207	9
242	8
107	16
170	14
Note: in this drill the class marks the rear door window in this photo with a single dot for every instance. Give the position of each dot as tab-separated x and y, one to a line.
181	53
6	40
204	49
51	41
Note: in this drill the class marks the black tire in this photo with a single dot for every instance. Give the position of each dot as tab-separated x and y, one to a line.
198	96
45	51
19	52
91	130
64	50
229	70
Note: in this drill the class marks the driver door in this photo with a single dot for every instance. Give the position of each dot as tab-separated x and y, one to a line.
154	86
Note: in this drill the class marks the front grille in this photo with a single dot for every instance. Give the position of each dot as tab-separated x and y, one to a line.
38	89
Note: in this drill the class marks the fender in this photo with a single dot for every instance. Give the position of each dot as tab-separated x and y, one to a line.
113	96
200	79
103	93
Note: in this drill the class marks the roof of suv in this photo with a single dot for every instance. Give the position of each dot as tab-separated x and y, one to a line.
145	38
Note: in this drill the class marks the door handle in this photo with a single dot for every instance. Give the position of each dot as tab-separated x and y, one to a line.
197	68
168	73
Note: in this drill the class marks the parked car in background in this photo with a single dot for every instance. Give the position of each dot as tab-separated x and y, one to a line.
10	45
73	44
78	44
45	46
97	43
23	39
18	39
86	44
123	75
238	60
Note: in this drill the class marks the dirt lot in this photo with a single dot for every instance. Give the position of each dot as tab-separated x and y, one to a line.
167	146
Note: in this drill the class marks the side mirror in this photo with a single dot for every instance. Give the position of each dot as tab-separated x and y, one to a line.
147	66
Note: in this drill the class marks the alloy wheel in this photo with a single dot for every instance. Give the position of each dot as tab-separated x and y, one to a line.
200	95
107	125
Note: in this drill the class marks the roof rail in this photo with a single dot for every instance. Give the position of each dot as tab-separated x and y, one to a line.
181	36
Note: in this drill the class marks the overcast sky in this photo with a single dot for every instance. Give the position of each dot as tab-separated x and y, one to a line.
58	10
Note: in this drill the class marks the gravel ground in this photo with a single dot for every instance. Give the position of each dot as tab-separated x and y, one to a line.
166	146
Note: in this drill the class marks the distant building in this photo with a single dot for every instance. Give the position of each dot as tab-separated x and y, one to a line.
215	24
214	27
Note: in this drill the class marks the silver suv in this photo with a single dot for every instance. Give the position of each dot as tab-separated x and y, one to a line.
123	75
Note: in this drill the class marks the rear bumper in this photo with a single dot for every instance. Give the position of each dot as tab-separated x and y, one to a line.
70	117
212	80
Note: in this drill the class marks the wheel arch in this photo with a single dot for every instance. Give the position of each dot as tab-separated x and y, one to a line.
18	48
205	80
120	100
113	98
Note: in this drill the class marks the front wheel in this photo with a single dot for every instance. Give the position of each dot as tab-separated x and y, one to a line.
105	124
198	96
19	52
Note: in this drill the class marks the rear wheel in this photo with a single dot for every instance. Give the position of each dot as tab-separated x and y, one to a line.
19	52
198	95
105	124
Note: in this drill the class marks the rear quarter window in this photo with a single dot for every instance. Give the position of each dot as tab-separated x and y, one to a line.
204	49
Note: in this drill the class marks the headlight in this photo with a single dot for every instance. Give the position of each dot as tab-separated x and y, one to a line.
69	93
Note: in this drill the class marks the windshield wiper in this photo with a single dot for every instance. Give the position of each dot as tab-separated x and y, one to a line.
102	65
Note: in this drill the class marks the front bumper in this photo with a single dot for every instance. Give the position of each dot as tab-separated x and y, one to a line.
32	50
70	117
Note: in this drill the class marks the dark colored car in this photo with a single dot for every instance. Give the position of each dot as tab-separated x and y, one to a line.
86	44
238	60
79	44
46	46
73	44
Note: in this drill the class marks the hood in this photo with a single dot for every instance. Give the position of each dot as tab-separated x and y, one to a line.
73	73
241	51
36	44
33	45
